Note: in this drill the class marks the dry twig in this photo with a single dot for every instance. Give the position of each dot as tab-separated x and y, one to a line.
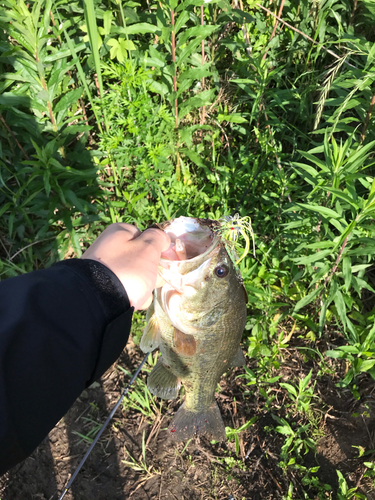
275	27
303	34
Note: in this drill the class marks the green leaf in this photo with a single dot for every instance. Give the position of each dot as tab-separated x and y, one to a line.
47	185
75	201
192	45
314	159
75	242
92	30
333	354
358	158
341	195
285	430
181	20
306	300
139	29
340	306
68	99
199	32
367	365
82	76
325	211
11	99
309	169
119	48
347	272
195	73
315	257
305	382
164	204
232	118
289	388
203	99
107	21
4	208
63	53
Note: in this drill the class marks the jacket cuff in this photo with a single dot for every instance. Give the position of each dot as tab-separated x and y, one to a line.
106	285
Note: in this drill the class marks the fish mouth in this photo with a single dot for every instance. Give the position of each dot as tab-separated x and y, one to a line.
193	244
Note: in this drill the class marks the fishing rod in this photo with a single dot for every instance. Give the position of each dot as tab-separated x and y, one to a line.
123	394
125	391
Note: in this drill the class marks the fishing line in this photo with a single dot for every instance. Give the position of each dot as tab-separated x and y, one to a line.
124	392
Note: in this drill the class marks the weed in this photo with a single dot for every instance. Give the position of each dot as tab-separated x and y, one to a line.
300	395
140	399
232	434
344	492
296	441
141	465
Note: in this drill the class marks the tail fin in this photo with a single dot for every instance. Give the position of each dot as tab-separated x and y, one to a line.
187	424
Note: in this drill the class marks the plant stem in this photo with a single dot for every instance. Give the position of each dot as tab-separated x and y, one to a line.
44	85
213	41
368	116
245	32
175	69
178	169
275	27
337	261
203	57
353	12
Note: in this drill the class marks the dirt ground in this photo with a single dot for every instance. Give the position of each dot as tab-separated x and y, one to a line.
201	470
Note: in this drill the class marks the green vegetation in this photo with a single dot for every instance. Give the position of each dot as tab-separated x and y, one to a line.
140	111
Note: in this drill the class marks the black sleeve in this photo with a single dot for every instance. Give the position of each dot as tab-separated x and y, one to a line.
60	329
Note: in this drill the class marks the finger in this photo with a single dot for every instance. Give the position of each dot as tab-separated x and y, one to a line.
170	253
156	238
146	305
160	281
128	231
114	234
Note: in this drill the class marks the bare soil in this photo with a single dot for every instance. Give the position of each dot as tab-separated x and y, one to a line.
201	470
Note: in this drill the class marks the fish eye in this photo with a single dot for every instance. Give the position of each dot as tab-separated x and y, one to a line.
221	271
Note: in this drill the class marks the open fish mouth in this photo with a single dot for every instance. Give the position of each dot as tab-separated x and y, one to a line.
193	244
189	238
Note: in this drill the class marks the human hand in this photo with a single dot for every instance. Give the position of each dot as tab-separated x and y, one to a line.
133	257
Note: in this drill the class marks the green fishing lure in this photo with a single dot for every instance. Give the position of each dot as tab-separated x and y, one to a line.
230	229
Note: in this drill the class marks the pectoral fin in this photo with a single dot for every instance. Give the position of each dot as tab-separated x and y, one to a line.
151	335
162	382
184	343
239	359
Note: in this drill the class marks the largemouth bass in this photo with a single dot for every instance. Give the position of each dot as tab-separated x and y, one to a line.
196	319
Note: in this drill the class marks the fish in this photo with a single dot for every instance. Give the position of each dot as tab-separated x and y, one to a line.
196	319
